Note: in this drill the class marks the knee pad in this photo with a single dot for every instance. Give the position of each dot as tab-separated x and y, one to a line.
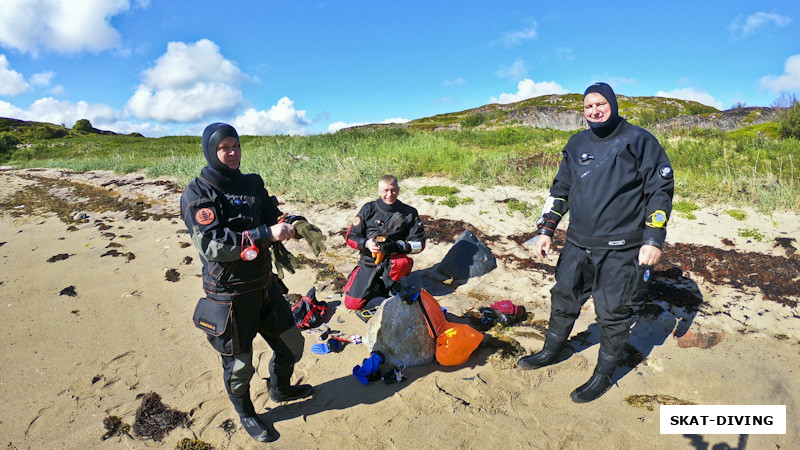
242	373
294	339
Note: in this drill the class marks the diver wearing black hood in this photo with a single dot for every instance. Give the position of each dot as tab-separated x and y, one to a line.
233	222
617	183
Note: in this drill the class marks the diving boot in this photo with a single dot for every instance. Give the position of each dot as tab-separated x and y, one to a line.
257	430
597	385
537	360
553	344
289	393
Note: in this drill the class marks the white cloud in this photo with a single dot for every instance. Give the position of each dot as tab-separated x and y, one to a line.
515	72
11	82
55	111
518	36
528	88
281	118
742	27
692	95
43	78
457	82
790	80
61	25
336	126
190	82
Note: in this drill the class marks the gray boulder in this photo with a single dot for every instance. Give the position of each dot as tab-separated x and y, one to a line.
400	332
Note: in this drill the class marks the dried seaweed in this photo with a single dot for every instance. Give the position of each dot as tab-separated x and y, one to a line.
115	427
154	420
173	275
648	401
69	291
59	257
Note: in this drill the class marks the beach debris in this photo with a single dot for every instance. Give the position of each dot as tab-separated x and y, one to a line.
69	291
786	244
173	275
184	244
114	245
400	332
59	257
80	216
72	228
115	253
115	427
187	260
649	401
192	444
154	420
701	339
468	258
228	426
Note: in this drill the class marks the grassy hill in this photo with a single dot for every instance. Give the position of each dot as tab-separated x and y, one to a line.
731	156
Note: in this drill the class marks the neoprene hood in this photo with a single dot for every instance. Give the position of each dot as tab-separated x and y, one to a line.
211	137
603	129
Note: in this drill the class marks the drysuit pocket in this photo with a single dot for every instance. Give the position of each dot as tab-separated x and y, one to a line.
213	316
637	287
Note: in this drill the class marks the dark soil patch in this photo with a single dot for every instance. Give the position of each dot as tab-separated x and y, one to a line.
447	230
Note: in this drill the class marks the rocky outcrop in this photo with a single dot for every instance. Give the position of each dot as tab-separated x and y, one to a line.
400	332
549	117
728	120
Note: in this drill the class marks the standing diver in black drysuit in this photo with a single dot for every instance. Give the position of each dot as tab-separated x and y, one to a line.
617	183
233	222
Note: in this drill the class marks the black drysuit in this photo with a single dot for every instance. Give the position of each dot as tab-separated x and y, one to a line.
217	208
401	226
612	187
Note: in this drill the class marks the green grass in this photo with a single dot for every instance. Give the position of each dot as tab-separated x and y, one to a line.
752	233
438	191
737	214
741	168
685	209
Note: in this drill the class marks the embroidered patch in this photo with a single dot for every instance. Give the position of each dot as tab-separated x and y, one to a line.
204	216
356	221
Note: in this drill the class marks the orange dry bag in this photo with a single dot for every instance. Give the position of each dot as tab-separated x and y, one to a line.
455	342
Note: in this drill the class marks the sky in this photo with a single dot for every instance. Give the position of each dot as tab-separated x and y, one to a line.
171	67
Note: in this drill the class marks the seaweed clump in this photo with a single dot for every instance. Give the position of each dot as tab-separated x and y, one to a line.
154	420
192	444
115	427
648	401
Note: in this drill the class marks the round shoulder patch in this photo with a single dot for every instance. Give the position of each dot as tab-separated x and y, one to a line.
204	216
356	220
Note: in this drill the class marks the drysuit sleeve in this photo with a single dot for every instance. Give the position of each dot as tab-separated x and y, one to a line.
415	242
205	220
556	205
356	235
659	185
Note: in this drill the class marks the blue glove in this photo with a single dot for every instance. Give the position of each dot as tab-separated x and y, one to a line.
369	369
321	348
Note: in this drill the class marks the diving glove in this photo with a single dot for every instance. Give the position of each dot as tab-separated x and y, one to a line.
283	259
312	234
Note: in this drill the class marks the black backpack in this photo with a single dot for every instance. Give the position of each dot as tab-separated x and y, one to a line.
308	312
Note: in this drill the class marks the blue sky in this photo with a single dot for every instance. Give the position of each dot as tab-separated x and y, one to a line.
162	67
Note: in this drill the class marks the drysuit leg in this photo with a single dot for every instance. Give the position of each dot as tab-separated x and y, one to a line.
574	281
616	271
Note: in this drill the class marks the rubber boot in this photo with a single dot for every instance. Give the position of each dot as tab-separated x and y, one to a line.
545	357
257	429
598	384
279	388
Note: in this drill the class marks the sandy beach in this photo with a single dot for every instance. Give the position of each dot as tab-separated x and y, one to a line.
97	311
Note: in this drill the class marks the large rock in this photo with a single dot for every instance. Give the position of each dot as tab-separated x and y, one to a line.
469	257
400	332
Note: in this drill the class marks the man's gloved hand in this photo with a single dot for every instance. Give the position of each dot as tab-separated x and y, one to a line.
312	234
283	259
389	247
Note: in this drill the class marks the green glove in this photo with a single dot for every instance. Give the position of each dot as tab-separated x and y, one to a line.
312	234
283	259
